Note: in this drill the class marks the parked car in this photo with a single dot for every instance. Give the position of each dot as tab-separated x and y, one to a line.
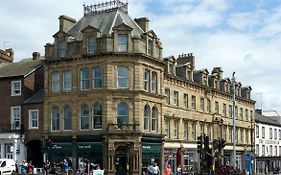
7	166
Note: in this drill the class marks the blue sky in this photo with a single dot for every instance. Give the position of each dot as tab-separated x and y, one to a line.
238	35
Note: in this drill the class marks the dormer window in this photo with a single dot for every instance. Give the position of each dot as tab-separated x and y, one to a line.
91	42
61	49
122	43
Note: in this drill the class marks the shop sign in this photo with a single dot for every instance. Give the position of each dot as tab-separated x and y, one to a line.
151	148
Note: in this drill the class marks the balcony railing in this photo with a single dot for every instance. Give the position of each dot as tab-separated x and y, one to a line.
123	128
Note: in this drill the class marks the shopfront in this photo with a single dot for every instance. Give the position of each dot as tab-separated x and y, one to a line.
58	152
90	153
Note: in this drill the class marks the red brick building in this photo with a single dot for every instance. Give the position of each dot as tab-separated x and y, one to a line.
20	83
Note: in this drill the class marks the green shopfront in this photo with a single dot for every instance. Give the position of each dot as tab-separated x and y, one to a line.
76	151
151	152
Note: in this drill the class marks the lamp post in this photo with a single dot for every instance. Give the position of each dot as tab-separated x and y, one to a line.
233	161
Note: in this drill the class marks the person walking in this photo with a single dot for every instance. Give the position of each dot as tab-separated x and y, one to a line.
168	170
65	166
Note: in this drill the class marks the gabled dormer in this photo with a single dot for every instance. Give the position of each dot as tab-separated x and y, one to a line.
185	66
61	41
246	92
170	65
122	38
90	36
201	76
238	89
214	80
225	84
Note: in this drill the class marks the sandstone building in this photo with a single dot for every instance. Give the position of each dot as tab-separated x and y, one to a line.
111	98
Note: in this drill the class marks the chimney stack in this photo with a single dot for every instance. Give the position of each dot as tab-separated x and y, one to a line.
65	23
143	23
35	56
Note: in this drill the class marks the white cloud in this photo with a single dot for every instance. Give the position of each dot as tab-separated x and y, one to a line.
249	45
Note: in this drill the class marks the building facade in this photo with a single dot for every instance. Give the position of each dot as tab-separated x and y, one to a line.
267	142
18	82
109	90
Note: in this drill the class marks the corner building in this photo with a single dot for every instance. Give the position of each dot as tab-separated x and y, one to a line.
106	94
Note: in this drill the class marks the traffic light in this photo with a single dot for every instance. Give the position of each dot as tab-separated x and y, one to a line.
223	143
216	144
42	145
206	143
200	140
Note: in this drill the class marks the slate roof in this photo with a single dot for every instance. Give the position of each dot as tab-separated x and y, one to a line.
38	97
21	68
104	22
259	118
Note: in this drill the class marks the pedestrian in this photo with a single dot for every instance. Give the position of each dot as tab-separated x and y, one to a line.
150	169
65	166
30	167
179	170
156	170
168	170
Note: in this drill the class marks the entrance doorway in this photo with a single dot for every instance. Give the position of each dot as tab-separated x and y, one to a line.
121	160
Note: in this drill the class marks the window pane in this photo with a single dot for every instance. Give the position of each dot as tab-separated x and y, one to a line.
67	118
84	74
67	80
97	121
91	41
33	118
61	49
122	43
97	77
146	117
16	117
55	82
84	117
154	82
154	119
55	119
122	114
122	77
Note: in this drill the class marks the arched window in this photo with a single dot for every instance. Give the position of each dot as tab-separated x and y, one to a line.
55	119
154	119
67	118
97	116
146	117
122	114
84	117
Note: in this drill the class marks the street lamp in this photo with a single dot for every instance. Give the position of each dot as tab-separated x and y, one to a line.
233	83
